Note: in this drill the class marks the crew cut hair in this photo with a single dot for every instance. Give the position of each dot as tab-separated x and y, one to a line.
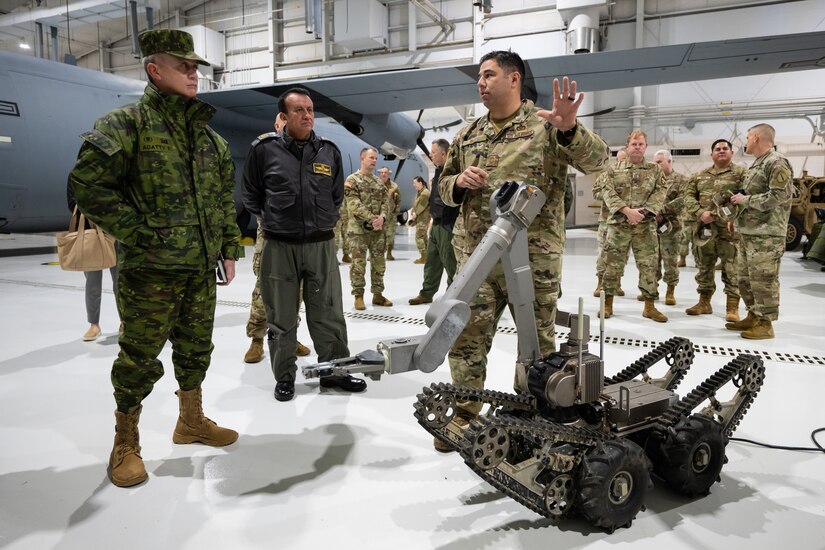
442	144
766	131
508	60
295	90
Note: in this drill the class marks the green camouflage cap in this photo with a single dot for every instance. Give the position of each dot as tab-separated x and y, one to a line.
171	41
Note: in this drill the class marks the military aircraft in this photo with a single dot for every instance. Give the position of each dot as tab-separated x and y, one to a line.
45	106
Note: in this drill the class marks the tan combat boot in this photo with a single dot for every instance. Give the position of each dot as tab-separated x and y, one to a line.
598	286
389	253
719	266
194	427
608	307
761	330
418	300
125	464
703	307
346	258
421	260
732	313
670	298
651	312
301	350
619	291
640	297
748	322
255	353
682	261
379	300
359	303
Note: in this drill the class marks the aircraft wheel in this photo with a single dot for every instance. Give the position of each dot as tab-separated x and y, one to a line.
614	479
691	459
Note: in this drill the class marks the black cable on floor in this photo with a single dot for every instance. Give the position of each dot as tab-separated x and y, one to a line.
818	449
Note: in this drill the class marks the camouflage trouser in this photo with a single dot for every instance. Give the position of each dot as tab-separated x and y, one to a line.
359	244
669	256
688	227
341	235
468	356
706	256
758	266
156	306
601	235
285	267
389	231
256	325
421	238
642	239
440	258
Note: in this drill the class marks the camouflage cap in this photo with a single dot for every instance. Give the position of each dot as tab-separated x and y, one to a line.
171	41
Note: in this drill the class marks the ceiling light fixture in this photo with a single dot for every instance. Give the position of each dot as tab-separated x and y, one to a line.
25	46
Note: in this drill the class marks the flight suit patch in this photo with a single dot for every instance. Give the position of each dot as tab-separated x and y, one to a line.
492	161
323	169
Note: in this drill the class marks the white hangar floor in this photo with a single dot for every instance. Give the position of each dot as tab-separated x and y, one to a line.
332	470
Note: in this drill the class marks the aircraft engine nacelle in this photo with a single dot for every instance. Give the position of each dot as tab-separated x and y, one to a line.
397	133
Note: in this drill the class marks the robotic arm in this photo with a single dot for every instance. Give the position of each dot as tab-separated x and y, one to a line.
514	208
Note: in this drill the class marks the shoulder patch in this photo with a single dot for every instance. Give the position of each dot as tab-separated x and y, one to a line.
264	137
101	141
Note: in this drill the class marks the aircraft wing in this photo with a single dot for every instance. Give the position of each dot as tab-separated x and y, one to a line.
349	98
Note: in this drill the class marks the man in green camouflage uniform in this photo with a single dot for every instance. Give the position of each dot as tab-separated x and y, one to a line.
157	178
702	196
420	217
514	141
634	193
394	195
368	204
669	222
762	222
601	233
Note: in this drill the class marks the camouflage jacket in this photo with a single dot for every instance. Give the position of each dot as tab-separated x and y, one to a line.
366	197
526	149
157	178
421	206
674	205
633	185
598	194
704	186
395	198
768	189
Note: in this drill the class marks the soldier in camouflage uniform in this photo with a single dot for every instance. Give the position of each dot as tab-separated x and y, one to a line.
369	209
701	197
157	178
515	141
395	208
762	222
669	221
420	217
601	233
634	193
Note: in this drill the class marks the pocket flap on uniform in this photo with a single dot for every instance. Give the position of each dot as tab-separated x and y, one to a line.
102	142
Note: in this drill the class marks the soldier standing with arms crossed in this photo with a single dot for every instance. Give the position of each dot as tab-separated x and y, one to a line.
368	204
702	189
516	140
157	178
634	194
395	209
762	222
